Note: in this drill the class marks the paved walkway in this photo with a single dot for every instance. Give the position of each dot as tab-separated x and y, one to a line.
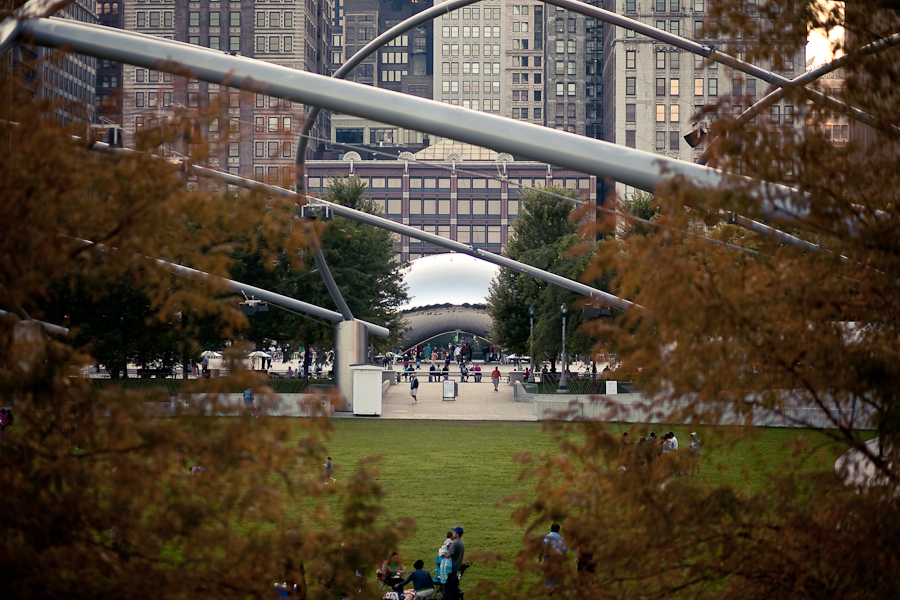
475	401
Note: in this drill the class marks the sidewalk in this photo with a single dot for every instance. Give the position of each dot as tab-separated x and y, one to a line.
474	402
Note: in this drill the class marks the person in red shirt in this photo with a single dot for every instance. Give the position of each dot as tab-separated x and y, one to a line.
495	377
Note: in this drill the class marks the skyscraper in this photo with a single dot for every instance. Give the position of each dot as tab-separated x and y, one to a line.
255	135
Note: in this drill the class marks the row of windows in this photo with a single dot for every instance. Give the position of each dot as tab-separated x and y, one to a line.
563	89
470	49
487	105
394	58
474	14
272	18
273	149
274	43
566	46
452	31
471	87
674	85
453	68
393	76
523	95
155	18
462	185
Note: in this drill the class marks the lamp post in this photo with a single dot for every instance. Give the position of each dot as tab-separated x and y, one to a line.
563	386
531	344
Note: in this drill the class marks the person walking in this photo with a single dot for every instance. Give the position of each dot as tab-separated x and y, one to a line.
456	553
495	378
248	403
695	453
414	387
328	470
554	552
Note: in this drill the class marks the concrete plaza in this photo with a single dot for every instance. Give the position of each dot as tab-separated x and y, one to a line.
474	401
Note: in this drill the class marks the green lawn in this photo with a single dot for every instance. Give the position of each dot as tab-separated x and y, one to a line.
448	473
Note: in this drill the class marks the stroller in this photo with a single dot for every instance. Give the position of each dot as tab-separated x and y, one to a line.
438	589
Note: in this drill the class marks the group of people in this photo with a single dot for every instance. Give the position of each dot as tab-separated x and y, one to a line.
449	567
650	448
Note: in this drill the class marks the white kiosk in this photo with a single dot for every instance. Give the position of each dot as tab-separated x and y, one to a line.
367	389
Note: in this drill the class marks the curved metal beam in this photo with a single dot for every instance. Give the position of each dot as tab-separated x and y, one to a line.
640	169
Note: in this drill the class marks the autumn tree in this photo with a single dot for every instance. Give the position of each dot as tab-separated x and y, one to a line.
545	235
802	325
361	260
98	492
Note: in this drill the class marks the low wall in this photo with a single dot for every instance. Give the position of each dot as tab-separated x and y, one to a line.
281	405
635	408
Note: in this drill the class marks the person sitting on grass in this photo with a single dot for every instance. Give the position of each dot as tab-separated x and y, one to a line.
423	585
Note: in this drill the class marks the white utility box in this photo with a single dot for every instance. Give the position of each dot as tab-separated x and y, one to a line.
449	389
366	397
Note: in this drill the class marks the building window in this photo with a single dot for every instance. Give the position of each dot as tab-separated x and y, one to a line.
698	6
630	138
630	113
631	6
214	42
660	86
660	5
660	140
630	86
788	113
698	86
234	43
571	46
234	149
712	87
214	19
234	19
660	60
674	113
139	99
674	60
674	85
193	99
660	113
193	19
571	89
154	19
630	59
560	89
776	114
674	140
675	27
674	5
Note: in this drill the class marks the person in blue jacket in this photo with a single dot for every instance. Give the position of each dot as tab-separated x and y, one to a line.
421	580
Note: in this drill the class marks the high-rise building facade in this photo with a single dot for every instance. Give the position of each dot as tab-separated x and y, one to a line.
69	79
109	72
574	58
402	65
652	91
254	135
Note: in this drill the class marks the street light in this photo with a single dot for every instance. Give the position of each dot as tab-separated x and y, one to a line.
531	344
563	386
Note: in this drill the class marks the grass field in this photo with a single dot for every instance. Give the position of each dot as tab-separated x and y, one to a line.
448	473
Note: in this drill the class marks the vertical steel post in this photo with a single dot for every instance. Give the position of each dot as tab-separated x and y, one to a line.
563	385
